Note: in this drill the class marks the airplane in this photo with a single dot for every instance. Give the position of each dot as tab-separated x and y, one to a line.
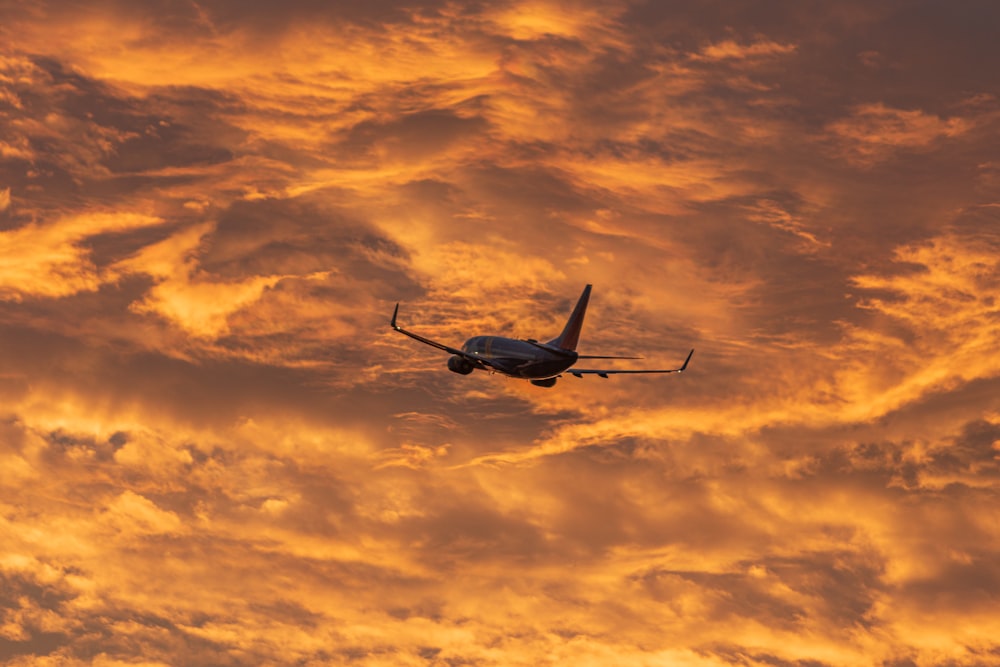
541	363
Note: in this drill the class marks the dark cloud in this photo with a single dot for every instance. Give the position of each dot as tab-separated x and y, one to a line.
974	451
30	609
265	16
415	136
299	237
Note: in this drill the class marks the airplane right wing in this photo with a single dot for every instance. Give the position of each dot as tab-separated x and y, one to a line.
476	360
580	372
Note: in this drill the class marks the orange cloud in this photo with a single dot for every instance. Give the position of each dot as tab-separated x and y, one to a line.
936	331
48	260
214	450
731	50
875	132
528	21
939	320
198	305
134	514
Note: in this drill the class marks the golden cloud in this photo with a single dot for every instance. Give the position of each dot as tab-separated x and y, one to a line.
874	132
47	260
939	322
731	50
134	514
214	450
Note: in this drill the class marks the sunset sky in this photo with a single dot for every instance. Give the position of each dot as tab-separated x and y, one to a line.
215	451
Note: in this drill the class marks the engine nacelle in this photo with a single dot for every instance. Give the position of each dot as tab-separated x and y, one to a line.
547	382
460	365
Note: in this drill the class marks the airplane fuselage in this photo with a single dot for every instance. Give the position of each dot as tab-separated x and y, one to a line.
529	360
541	363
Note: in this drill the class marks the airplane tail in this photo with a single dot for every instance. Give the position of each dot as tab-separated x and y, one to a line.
570	335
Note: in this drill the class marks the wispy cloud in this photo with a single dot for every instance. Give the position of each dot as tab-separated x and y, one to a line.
731	50
49	259
875	132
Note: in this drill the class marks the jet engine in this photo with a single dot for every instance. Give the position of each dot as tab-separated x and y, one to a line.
457	364
547	382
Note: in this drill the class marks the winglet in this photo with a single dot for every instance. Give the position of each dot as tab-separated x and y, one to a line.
393	322
684	367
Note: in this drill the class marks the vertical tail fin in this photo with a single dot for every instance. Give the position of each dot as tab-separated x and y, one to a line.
570	335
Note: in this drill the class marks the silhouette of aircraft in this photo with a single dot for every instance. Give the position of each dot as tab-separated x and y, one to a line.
541	363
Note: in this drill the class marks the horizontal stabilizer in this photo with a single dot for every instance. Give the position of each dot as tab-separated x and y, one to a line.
603	356
580	372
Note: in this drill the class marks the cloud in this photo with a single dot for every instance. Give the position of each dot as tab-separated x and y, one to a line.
49	260
132	513
183	294
874	133
213	449
45	128
939	316
732	50
933	325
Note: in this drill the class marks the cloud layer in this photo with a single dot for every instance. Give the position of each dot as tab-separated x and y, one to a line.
213	450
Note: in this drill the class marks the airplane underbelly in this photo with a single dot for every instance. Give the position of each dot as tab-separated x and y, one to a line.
535	370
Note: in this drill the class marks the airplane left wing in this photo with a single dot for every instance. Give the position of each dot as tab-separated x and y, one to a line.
476	360
580	372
